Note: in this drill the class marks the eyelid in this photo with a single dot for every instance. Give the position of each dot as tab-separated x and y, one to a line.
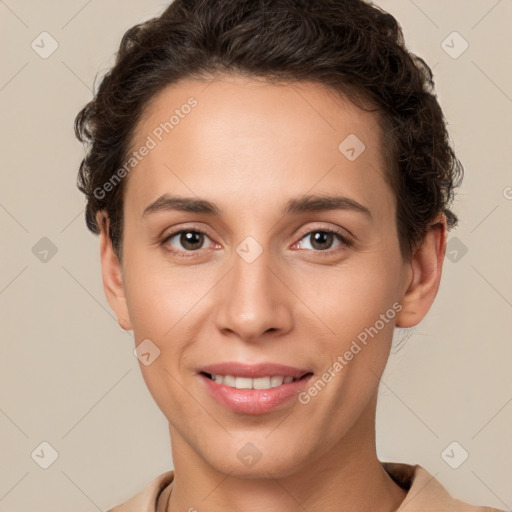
343	233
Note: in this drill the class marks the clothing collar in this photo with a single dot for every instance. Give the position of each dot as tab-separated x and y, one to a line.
424	492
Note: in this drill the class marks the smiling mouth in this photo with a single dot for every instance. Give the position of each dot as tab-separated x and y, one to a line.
265	382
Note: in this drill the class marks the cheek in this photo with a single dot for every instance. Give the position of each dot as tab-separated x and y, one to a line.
349	297
161	305
357	304
160	295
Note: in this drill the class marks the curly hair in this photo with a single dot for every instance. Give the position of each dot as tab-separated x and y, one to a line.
351	46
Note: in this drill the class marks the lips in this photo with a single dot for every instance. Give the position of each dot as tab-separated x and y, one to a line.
287	382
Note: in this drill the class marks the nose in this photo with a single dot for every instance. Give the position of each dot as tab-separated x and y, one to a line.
255	302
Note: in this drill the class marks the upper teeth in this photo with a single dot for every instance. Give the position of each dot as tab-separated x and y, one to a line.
248	383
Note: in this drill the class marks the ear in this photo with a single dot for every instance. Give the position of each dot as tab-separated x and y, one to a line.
112	273
425	269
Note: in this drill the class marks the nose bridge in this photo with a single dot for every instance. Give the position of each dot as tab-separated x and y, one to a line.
253	300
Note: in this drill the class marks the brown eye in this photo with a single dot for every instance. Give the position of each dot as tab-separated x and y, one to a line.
322	239
186	240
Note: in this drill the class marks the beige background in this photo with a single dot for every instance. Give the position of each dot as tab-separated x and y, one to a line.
67	372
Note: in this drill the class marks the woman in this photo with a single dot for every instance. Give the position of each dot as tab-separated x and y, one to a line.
271	183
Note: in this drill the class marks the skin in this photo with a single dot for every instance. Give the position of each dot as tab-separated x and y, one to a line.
249	147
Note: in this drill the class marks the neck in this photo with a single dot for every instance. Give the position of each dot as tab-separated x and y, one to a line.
348	477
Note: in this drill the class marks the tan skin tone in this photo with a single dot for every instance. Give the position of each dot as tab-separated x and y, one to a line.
249	147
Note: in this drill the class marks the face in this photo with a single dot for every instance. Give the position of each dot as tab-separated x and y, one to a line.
259	269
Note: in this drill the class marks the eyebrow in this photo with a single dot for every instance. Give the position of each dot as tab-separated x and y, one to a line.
302	204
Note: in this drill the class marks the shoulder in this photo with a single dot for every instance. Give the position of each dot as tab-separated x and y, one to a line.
146	500
425	493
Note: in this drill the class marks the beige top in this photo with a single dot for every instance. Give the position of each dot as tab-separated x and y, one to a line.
425	493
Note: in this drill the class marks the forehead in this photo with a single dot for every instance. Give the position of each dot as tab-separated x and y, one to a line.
251	141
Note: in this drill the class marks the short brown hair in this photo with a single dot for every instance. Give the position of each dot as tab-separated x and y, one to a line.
351	46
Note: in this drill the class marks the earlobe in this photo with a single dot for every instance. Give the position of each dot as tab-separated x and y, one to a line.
425	270
112	273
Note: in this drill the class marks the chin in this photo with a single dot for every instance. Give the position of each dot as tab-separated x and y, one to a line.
249	462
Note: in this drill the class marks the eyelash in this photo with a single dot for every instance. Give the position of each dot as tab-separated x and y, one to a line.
187	254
